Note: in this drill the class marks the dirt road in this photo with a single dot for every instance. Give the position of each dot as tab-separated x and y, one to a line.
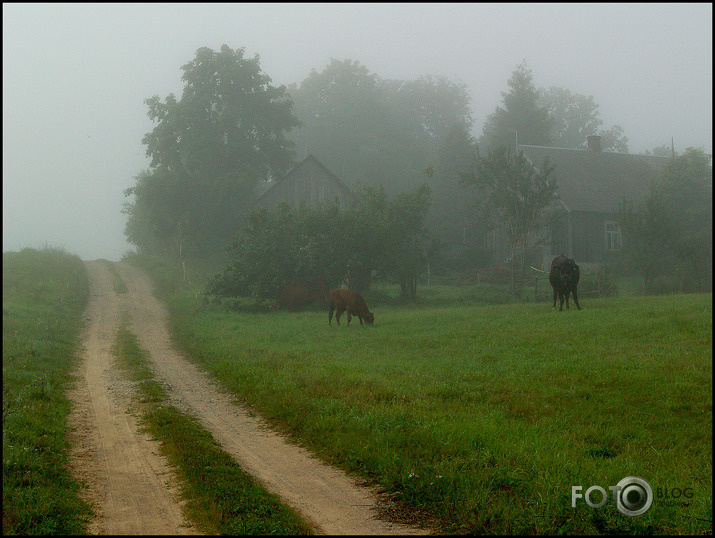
131	484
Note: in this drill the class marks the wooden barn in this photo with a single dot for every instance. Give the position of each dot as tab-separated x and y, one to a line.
309	181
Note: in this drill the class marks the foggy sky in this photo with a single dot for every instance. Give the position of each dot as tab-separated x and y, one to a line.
75	77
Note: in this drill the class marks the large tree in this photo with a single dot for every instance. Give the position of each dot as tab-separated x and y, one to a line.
669	234
209	150
687	186
649	233
430	105
371	130
512	194
574	117
449	215
408	238
521	117
554	117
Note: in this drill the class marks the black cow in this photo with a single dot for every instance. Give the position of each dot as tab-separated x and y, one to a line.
564	278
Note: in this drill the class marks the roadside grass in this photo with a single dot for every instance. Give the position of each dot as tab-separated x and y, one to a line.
220	497
481	418
44	295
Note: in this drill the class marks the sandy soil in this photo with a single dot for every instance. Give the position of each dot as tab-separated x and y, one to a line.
130	484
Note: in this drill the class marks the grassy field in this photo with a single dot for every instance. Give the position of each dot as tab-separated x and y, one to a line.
43	297
477	417
480	418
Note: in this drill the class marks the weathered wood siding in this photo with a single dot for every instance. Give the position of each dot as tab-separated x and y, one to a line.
308	182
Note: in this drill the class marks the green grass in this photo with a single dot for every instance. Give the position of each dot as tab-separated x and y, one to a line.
479	417
221	497
44	295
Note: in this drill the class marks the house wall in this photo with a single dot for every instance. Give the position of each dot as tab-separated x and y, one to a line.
580	235
308	183
588	234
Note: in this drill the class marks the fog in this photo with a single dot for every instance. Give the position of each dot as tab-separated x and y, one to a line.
75	77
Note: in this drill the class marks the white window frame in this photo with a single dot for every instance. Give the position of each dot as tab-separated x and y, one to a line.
613	236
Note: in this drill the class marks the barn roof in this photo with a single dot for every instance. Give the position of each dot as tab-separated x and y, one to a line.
597	180
309	162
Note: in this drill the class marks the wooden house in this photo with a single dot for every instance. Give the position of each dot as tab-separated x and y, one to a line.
309	181
591	185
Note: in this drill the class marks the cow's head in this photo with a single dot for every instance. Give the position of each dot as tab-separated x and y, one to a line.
370	318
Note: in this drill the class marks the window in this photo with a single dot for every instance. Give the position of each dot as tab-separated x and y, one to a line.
613	237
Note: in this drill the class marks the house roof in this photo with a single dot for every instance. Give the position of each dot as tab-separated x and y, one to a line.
597	181
309	161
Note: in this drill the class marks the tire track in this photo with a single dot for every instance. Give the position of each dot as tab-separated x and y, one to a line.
128	482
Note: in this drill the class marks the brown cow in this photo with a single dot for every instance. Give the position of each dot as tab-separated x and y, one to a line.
351	301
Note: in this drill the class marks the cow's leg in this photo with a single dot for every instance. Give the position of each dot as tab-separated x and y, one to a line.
568	292
555	295
575	299
330	315
561	298
349	317
338	314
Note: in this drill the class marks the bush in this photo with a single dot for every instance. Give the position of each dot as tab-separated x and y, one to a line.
606	281
289	246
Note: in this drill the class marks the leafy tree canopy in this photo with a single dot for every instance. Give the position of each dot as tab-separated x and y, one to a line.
554	117
375	131
301	245
670	233
660	151
449	213
649	233
209	150
513	194
229	118
522	116
687	183
574	117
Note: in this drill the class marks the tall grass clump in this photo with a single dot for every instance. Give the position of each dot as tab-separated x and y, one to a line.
44	295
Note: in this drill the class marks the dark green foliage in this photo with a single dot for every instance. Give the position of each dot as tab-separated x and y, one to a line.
513	194
208	152
376	131
407	238
648	235
614	139
574	117
686	184
522	117
668	237
44	295
450	219
286	246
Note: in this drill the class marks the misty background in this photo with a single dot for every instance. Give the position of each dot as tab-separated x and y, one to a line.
75	77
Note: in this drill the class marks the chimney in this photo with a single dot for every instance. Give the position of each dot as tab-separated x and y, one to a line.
594	143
